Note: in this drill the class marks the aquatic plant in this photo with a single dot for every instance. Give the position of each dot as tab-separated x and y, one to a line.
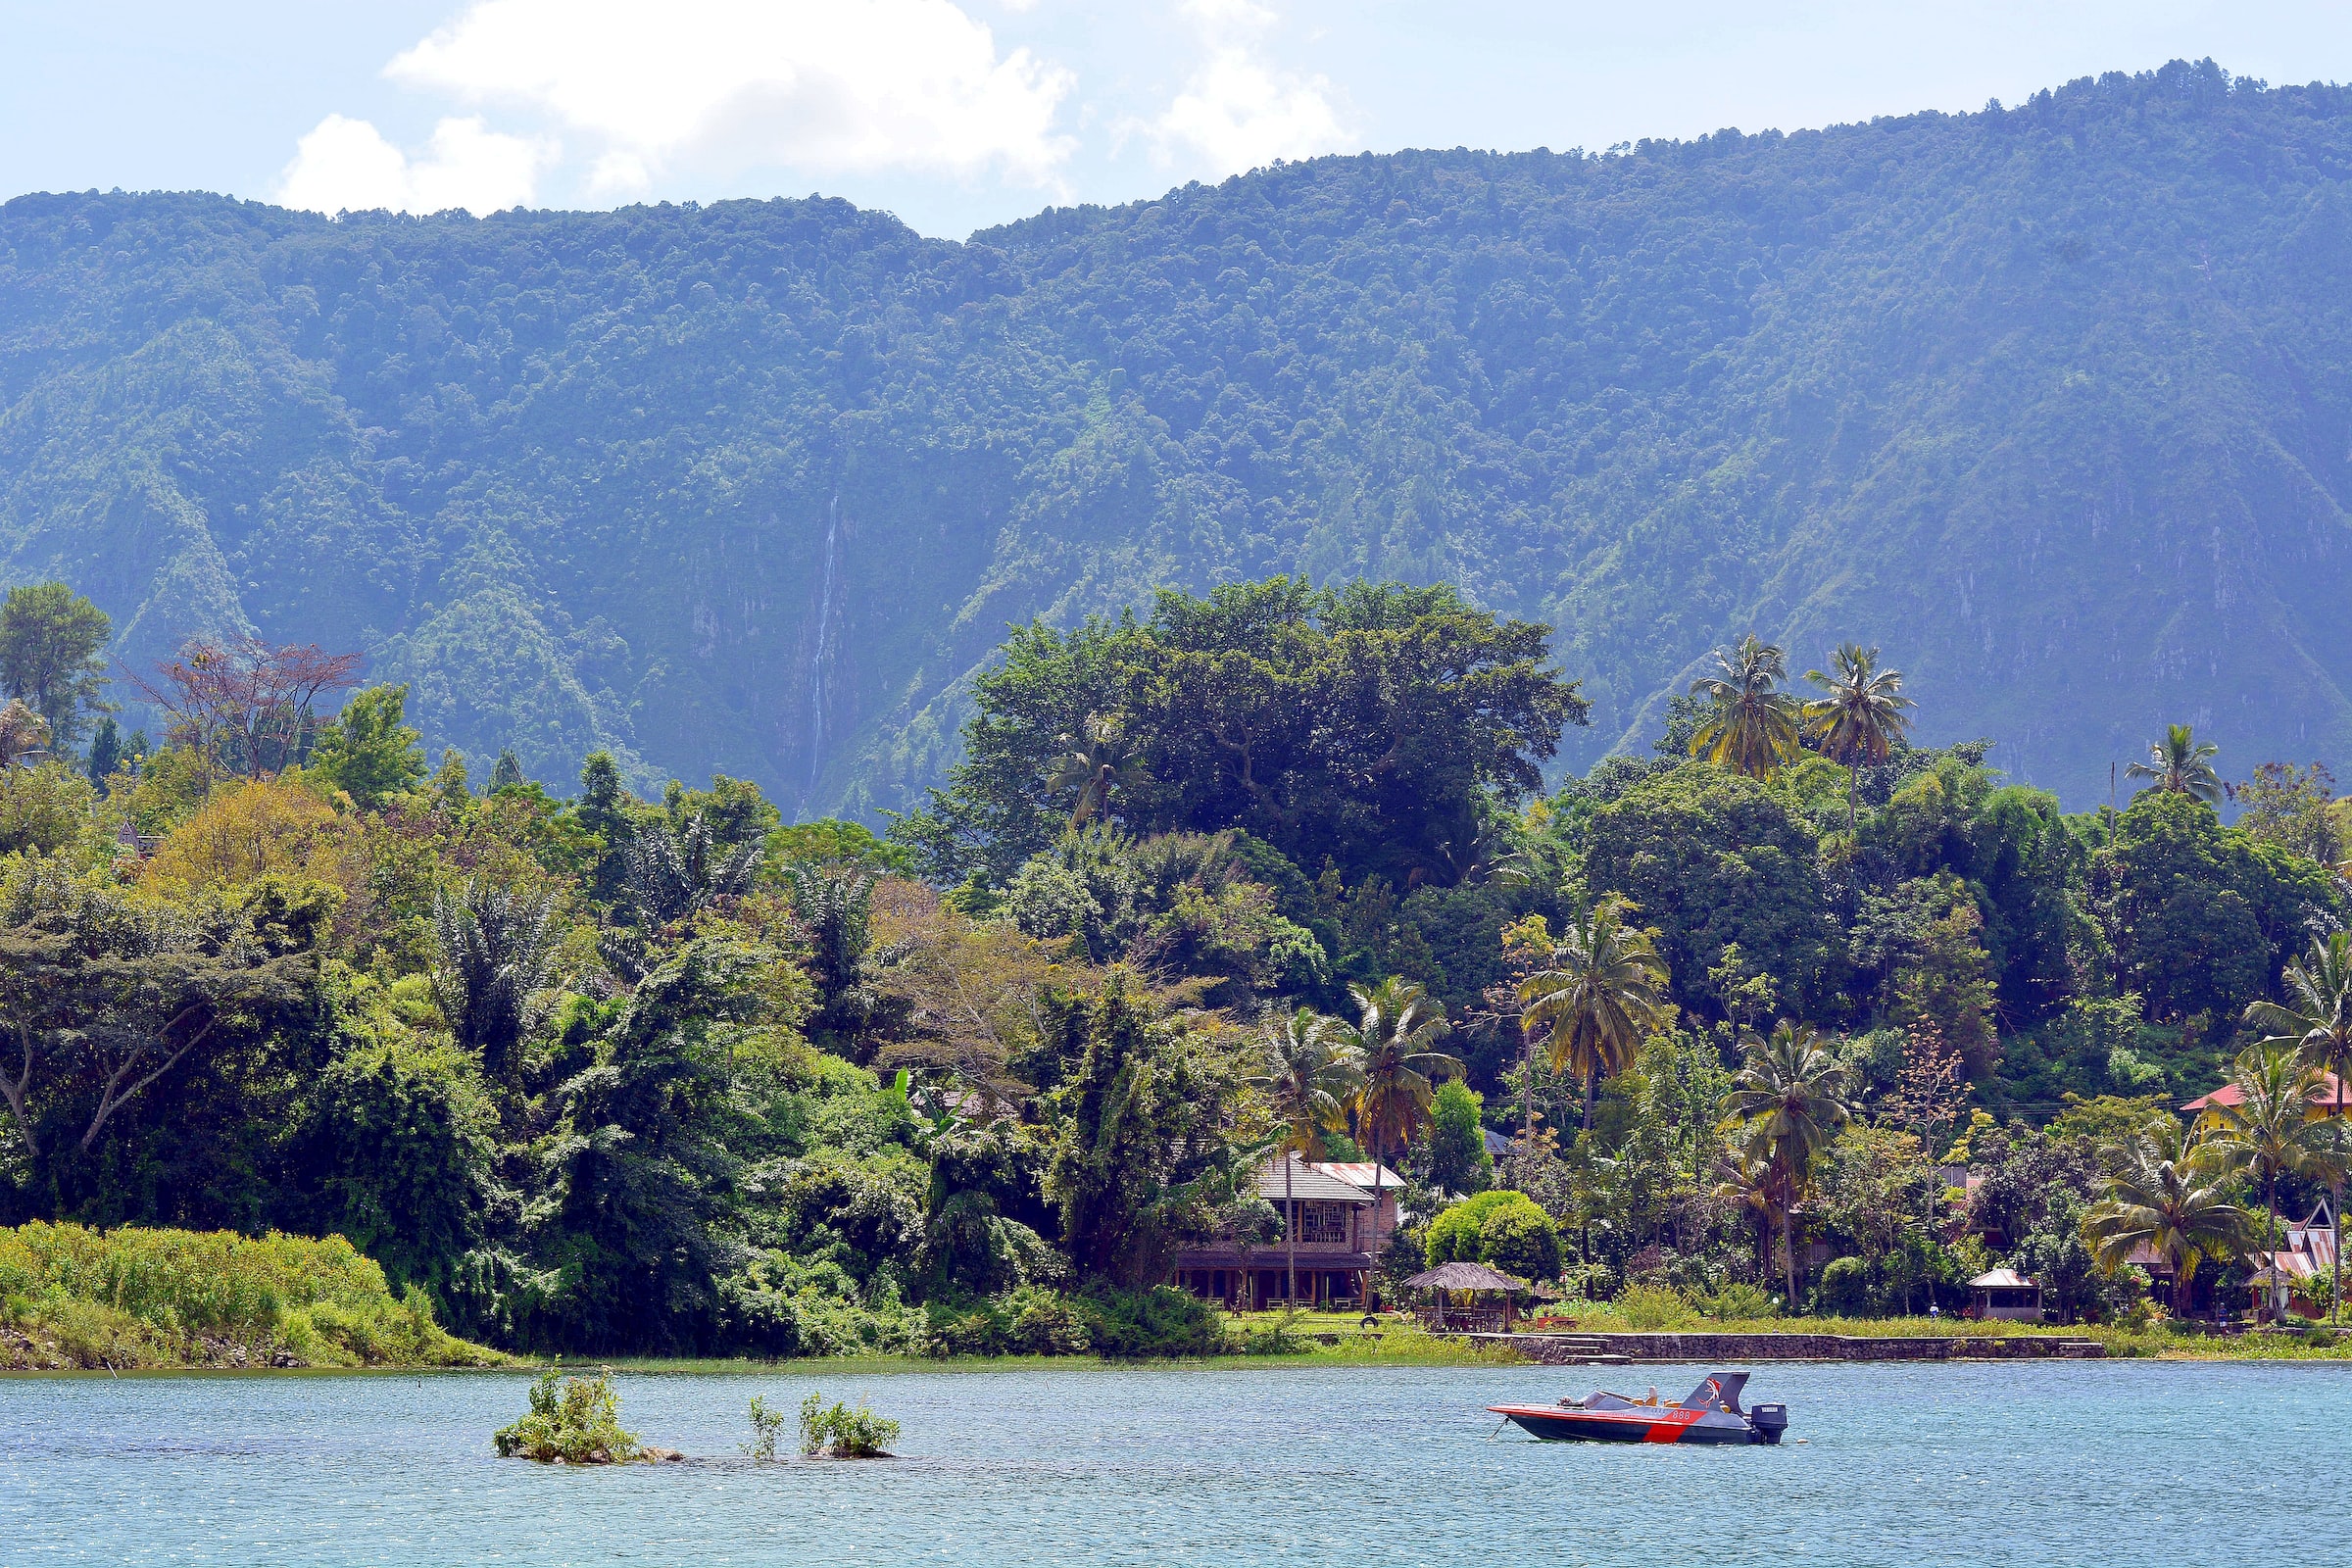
572	1421
844	1432
765	1424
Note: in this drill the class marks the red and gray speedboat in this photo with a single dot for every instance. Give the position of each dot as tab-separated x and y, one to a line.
1710	1414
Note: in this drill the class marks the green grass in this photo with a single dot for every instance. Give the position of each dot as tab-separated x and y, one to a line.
2122	1343
133	1299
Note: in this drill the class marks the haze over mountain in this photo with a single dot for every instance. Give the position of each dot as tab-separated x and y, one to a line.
2053	402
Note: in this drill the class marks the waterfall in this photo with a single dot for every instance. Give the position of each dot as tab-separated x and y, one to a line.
829	584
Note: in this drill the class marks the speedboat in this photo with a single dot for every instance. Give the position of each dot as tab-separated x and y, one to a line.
1711	1413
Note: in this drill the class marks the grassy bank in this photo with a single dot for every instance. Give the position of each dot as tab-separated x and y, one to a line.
128	1299
2159	1343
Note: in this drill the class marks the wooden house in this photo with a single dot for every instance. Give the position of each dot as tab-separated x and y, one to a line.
1339	1217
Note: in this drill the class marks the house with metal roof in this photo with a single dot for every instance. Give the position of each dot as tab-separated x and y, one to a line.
1338	1215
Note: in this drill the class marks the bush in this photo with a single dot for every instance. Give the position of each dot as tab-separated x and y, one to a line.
1845	1290
1028	1321
1158	1322
578	1423
1652	1306
844	1432
1520	1239
1740	1301
1502	1230
765	1424
154	1297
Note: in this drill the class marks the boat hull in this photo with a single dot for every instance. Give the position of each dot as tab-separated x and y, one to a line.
1638	1424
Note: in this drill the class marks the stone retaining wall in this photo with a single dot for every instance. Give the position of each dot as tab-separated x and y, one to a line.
1568	1350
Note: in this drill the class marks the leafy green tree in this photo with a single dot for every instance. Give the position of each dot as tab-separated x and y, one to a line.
2197	915
1752	727
835	904
1859	717
2181	764
497	951
1458	1161
602	809
1142	1155
1790	1097
1712	858
1392	1048
677	873
1097	761
368	750
1594	996
507	772
50	638
2169	1195
1305	1077
2293	808
1368	727
106	751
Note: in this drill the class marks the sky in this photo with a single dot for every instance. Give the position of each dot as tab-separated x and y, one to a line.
959	113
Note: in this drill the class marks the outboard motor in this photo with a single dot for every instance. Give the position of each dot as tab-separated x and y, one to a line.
1768	1421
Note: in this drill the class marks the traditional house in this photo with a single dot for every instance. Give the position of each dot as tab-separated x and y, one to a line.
2004	1293
1340	1215
2307	1253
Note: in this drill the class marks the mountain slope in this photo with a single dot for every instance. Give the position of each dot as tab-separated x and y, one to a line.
2055	403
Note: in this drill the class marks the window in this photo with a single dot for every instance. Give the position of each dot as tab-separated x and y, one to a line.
1323	1223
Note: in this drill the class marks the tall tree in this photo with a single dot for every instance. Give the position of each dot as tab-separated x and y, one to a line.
497	950
1792	1095
243	705
1599	992
2266	1132
1099	760
49	642
2169	1195
1392	1044
1752	727
2316	1023
2181	764
368	750
1860	715
1305	1077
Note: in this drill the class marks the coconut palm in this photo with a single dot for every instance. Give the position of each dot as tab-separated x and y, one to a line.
1306	1076
1858	718
1791	1098
1754	726
2169	1197
1600	992
2266	1133
1393	1047
2316	1021
1098	760
1746	1175
21	732
2179	765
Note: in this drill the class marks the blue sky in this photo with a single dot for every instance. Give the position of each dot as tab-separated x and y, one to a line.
957	114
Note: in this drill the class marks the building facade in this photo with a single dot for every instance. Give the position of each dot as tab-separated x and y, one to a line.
1339	1217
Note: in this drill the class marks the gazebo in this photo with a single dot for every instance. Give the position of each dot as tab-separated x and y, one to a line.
1477	1279
2006	1294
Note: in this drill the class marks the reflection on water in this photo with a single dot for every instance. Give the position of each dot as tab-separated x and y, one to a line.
2111	1465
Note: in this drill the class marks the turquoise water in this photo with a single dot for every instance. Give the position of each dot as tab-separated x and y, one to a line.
2113	1465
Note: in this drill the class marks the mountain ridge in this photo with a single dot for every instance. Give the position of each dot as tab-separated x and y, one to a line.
2050	401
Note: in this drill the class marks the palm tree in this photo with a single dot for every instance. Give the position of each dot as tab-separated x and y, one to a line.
2169	1197
1392	1049
1860	717
2179	765
21	732
2266	1134
1753	729
2328	1160
1746	1175
1790	1097
1305	1077
1600	994
1098	760
2317	1022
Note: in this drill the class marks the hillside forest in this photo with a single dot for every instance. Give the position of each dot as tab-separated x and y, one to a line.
2052	396
1272	866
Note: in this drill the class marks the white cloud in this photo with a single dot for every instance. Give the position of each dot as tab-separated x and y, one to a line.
347	165
829	86
1237	110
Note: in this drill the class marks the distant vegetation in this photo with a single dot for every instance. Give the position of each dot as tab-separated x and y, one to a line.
1268	869
2045	400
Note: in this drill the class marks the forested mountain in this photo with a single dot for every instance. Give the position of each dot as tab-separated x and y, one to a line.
2053	402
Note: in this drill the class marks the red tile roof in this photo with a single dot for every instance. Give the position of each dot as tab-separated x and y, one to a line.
2229	1095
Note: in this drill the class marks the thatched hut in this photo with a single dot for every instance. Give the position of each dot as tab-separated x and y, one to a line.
1474	1280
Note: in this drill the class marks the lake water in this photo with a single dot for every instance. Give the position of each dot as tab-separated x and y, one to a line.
2003	1465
